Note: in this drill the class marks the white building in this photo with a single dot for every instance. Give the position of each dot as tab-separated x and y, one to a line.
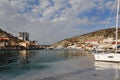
24	36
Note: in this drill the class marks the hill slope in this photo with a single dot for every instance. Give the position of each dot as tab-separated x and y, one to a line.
4	34
97	35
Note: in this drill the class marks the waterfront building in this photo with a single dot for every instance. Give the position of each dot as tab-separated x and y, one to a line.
25	44
3	42
24	36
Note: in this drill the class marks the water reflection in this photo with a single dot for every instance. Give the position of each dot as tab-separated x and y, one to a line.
26	59
7	57
23	58
13	59
108	65
75	53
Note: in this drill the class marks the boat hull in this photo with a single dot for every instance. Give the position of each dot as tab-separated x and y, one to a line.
109	57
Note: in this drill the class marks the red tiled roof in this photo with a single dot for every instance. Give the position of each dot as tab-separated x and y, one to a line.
4	38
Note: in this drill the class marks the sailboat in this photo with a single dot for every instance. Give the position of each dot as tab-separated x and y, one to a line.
110	56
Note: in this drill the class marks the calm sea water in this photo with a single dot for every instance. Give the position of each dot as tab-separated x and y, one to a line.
54	65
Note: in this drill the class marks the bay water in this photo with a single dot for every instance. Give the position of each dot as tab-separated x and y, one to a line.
55	64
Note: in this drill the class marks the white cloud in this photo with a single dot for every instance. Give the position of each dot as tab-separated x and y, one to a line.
48	21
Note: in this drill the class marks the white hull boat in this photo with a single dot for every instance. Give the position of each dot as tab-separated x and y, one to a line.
110	57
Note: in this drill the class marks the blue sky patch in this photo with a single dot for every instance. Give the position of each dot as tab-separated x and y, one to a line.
33	2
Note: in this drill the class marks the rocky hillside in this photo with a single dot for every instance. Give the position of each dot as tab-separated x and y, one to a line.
4	34
97	35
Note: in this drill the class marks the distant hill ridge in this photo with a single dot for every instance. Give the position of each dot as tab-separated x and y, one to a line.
96	35
5	34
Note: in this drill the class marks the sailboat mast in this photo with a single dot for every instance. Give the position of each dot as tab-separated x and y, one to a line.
117	23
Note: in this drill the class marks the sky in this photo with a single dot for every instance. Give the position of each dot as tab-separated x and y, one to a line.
49	21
